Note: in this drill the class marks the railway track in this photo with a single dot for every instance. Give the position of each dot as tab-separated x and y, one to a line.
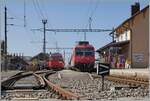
29	94
133	82
45	88
68	85
88	87
64	94
9	83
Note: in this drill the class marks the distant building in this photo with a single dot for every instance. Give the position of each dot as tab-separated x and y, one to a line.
16	62
130	44
41	57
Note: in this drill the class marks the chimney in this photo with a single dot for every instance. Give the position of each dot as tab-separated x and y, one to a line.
135	8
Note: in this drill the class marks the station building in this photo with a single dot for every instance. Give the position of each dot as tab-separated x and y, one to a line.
130	41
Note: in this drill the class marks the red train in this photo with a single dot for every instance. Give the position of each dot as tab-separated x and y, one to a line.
56	61
83	56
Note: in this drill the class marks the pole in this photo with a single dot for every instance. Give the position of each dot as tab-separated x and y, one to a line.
149	57
0	52
90	23
102	82
64	56
5	49
113	35
24	13
131	47
84	36
44	40
57	49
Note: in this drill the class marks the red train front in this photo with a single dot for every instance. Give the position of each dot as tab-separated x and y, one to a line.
83	56
55	61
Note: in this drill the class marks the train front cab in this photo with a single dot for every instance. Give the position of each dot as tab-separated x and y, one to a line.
84	59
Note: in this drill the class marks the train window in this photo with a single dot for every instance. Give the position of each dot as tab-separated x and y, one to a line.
88	53
84	49
88	49
79	53
78	49
58	58
61	59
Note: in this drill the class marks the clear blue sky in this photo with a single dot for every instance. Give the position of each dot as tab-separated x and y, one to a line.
63	14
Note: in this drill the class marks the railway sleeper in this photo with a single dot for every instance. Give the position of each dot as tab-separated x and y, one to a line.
24	87
125	87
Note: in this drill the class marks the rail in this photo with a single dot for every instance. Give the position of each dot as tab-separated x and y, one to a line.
8	83
40	80
128	81
62	92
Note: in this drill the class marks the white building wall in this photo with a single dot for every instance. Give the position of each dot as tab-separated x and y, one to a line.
123	37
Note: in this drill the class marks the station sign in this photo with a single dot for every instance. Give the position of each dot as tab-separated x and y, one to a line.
103	69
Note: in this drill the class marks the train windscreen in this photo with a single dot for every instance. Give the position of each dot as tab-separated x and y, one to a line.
56	58
84	51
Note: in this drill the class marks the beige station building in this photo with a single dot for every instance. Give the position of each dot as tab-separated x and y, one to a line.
130	45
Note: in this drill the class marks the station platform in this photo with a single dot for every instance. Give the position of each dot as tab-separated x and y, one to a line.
140	73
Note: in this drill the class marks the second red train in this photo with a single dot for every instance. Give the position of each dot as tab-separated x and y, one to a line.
55	62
